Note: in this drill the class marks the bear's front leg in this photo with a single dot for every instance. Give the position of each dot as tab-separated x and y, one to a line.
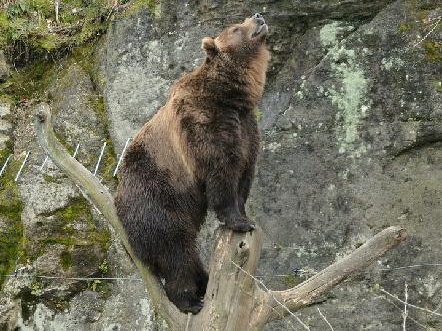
222	196
244	185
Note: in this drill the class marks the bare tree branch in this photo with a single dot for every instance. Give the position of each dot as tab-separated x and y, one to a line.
103	200
306	292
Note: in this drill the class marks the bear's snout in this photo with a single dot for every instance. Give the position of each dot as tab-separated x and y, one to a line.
259	19
261	27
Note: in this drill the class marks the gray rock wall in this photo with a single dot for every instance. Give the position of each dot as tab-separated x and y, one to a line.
355	150
351	124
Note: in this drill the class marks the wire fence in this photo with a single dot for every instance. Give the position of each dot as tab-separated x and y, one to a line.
7	161
385	295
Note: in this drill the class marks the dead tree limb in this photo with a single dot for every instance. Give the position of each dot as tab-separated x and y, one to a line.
103	201
306	292
235	300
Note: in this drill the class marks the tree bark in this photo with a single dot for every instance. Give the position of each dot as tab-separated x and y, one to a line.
235	300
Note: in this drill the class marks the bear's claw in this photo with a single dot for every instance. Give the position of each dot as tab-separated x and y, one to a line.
194	308
242	224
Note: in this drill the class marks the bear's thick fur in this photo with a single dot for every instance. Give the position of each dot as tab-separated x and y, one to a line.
198	152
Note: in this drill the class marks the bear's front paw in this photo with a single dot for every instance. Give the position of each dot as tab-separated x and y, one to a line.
241	224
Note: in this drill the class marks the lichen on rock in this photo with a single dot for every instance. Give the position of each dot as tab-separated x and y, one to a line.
350	96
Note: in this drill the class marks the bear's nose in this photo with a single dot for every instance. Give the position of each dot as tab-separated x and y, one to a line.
259	18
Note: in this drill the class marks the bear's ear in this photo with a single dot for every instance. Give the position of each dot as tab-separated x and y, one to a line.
208	44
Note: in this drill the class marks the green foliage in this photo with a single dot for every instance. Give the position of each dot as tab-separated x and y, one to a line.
66	241
36	288
50	179
79	208
85	57
28	83
103	267
109	161
94	284
33	22
98	285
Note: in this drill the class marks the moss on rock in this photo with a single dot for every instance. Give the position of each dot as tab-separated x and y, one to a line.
109	158
36	25
433	51
154	7
29	83
66	260
71	226
11	229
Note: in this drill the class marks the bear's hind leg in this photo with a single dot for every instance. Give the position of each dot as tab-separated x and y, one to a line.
181	267
202	279
186	283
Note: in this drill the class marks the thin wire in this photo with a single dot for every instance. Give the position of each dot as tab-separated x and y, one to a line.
121	157
405	312
99	158
429	32
189	316
325	319
5	165
399	308
272	308
44	163
413	266
76	150
409	304
70	278
274	298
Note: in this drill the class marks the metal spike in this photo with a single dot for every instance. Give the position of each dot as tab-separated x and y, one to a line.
5	165
99	159
121	157
22	166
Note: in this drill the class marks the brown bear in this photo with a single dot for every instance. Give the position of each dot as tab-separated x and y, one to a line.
198	152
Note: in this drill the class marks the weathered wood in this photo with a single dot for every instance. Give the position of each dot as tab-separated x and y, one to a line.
98	194
306	292
231	292
235	300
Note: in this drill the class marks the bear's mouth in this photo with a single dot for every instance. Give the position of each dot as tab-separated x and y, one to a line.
261	30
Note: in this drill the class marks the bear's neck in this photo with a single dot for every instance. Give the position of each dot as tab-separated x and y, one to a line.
233	88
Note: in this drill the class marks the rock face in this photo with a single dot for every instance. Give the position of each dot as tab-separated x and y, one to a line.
351	125
352	130
4	69
355	149
65	241
5	124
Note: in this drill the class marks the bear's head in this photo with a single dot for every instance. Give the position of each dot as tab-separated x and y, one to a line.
239	43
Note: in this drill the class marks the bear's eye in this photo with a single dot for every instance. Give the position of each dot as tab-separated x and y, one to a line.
235	30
